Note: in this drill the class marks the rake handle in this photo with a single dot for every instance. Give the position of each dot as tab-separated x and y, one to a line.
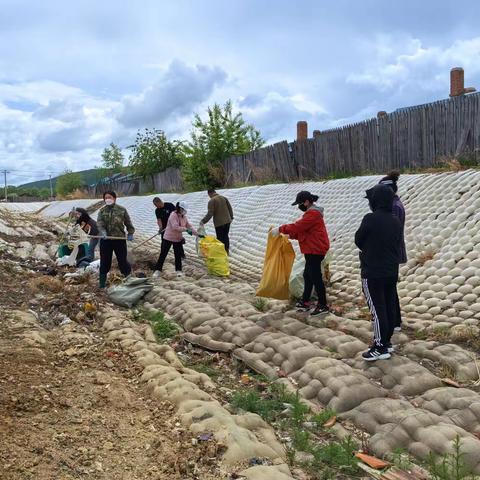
107	238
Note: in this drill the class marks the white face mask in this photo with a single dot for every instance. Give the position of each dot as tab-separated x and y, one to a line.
109	201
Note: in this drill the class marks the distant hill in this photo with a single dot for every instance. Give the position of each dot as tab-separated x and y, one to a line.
89	177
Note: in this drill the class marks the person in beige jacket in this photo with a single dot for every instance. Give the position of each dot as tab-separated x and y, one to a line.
220	209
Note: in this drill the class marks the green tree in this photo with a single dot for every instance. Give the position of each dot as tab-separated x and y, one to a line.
68	182
112	158
223	134
153	153
44	193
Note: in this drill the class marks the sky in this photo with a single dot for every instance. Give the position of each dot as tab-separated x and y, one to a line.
75	76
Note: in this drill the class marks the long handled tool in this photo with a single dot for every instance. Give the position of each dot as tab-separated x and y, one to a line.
107	238
145	241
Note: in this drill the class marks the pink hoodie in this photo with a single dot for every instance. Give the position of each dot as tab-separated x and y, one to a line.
176	225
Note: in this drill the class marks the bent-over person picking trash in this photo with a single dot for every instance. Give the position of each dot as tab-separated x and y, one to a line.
221	210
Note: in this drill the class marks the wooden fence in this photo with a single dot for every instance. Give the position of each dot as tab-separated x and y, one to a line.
168	181
409	138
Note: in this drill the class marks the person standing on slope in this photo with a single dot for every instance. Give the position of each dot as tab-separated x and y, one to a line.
173	237
398	211
111	221
312	236
378	239
162	213
220	209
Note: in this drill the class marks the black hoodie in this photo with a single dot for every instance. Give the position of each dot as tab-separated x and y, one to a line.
379	236
87	223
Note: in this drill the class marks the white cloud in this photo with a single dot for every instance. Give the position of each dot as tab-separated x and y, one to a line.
176	93
413	65
276	115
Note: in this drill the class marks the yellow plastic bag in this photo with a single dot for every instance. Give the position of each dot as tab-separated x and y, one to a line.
277	266
215	255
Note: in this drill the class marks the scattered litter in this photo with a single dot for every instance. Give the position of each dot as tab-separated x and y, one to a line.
449	381
330	423
65	321
372	461
205	437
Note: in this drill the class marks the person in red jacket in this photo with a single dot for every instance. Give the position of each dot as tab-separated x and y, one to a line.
312	236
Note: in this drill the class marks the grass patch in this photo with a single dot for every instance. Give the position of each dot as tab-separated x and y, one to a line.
268	407
450	466
165	330
321	418
331	459
420	334
206	369
260	304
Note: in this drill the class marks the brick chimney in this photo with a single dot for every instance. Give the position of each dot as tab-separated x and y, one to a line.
302	130
457	82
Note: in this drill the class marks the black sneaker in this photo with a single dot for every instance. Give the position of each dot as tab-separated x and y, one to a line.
302	306
319	310
376	353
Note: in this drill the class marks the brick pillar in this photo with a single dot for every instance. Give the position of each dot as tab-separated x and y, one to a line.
302	130
457	82
316	133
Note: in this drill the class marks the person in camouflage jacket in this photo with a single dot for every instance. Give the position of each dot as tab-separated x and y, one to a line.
112	221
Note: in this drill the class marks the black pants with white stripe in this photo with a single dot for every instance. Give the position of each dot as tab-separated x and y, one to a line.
381	296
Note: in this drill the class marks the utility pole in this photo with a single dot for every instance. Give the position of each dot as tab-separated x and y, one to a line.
5	179
51	188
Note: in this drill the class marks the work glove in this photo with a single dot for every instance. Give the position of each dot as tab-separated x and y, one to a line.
130	237
275	232
160	231
189	231
103	235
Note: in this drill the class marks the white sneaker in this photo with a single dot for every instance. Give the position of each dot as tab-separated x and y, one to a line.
397	329
157	274
179	274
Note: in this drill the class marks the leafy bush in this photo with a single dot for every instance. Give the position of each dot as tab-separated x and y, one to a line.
68	182
153	153
213	140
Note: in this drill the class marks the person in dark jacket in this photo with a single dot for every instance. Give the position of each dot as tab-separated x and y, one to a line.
221	210
398	211
112	221
162	212
89	226
312	236
378	239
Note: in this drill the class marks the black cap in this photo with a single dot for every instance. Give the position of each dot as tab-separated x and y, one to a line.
303	196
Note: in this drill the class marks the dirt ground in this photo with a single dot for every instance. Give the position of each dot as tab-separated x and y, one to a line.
71	405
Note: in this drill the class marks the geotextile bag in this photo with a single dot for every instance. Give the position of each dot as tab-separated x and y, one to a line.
130	292
215	255
277	266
